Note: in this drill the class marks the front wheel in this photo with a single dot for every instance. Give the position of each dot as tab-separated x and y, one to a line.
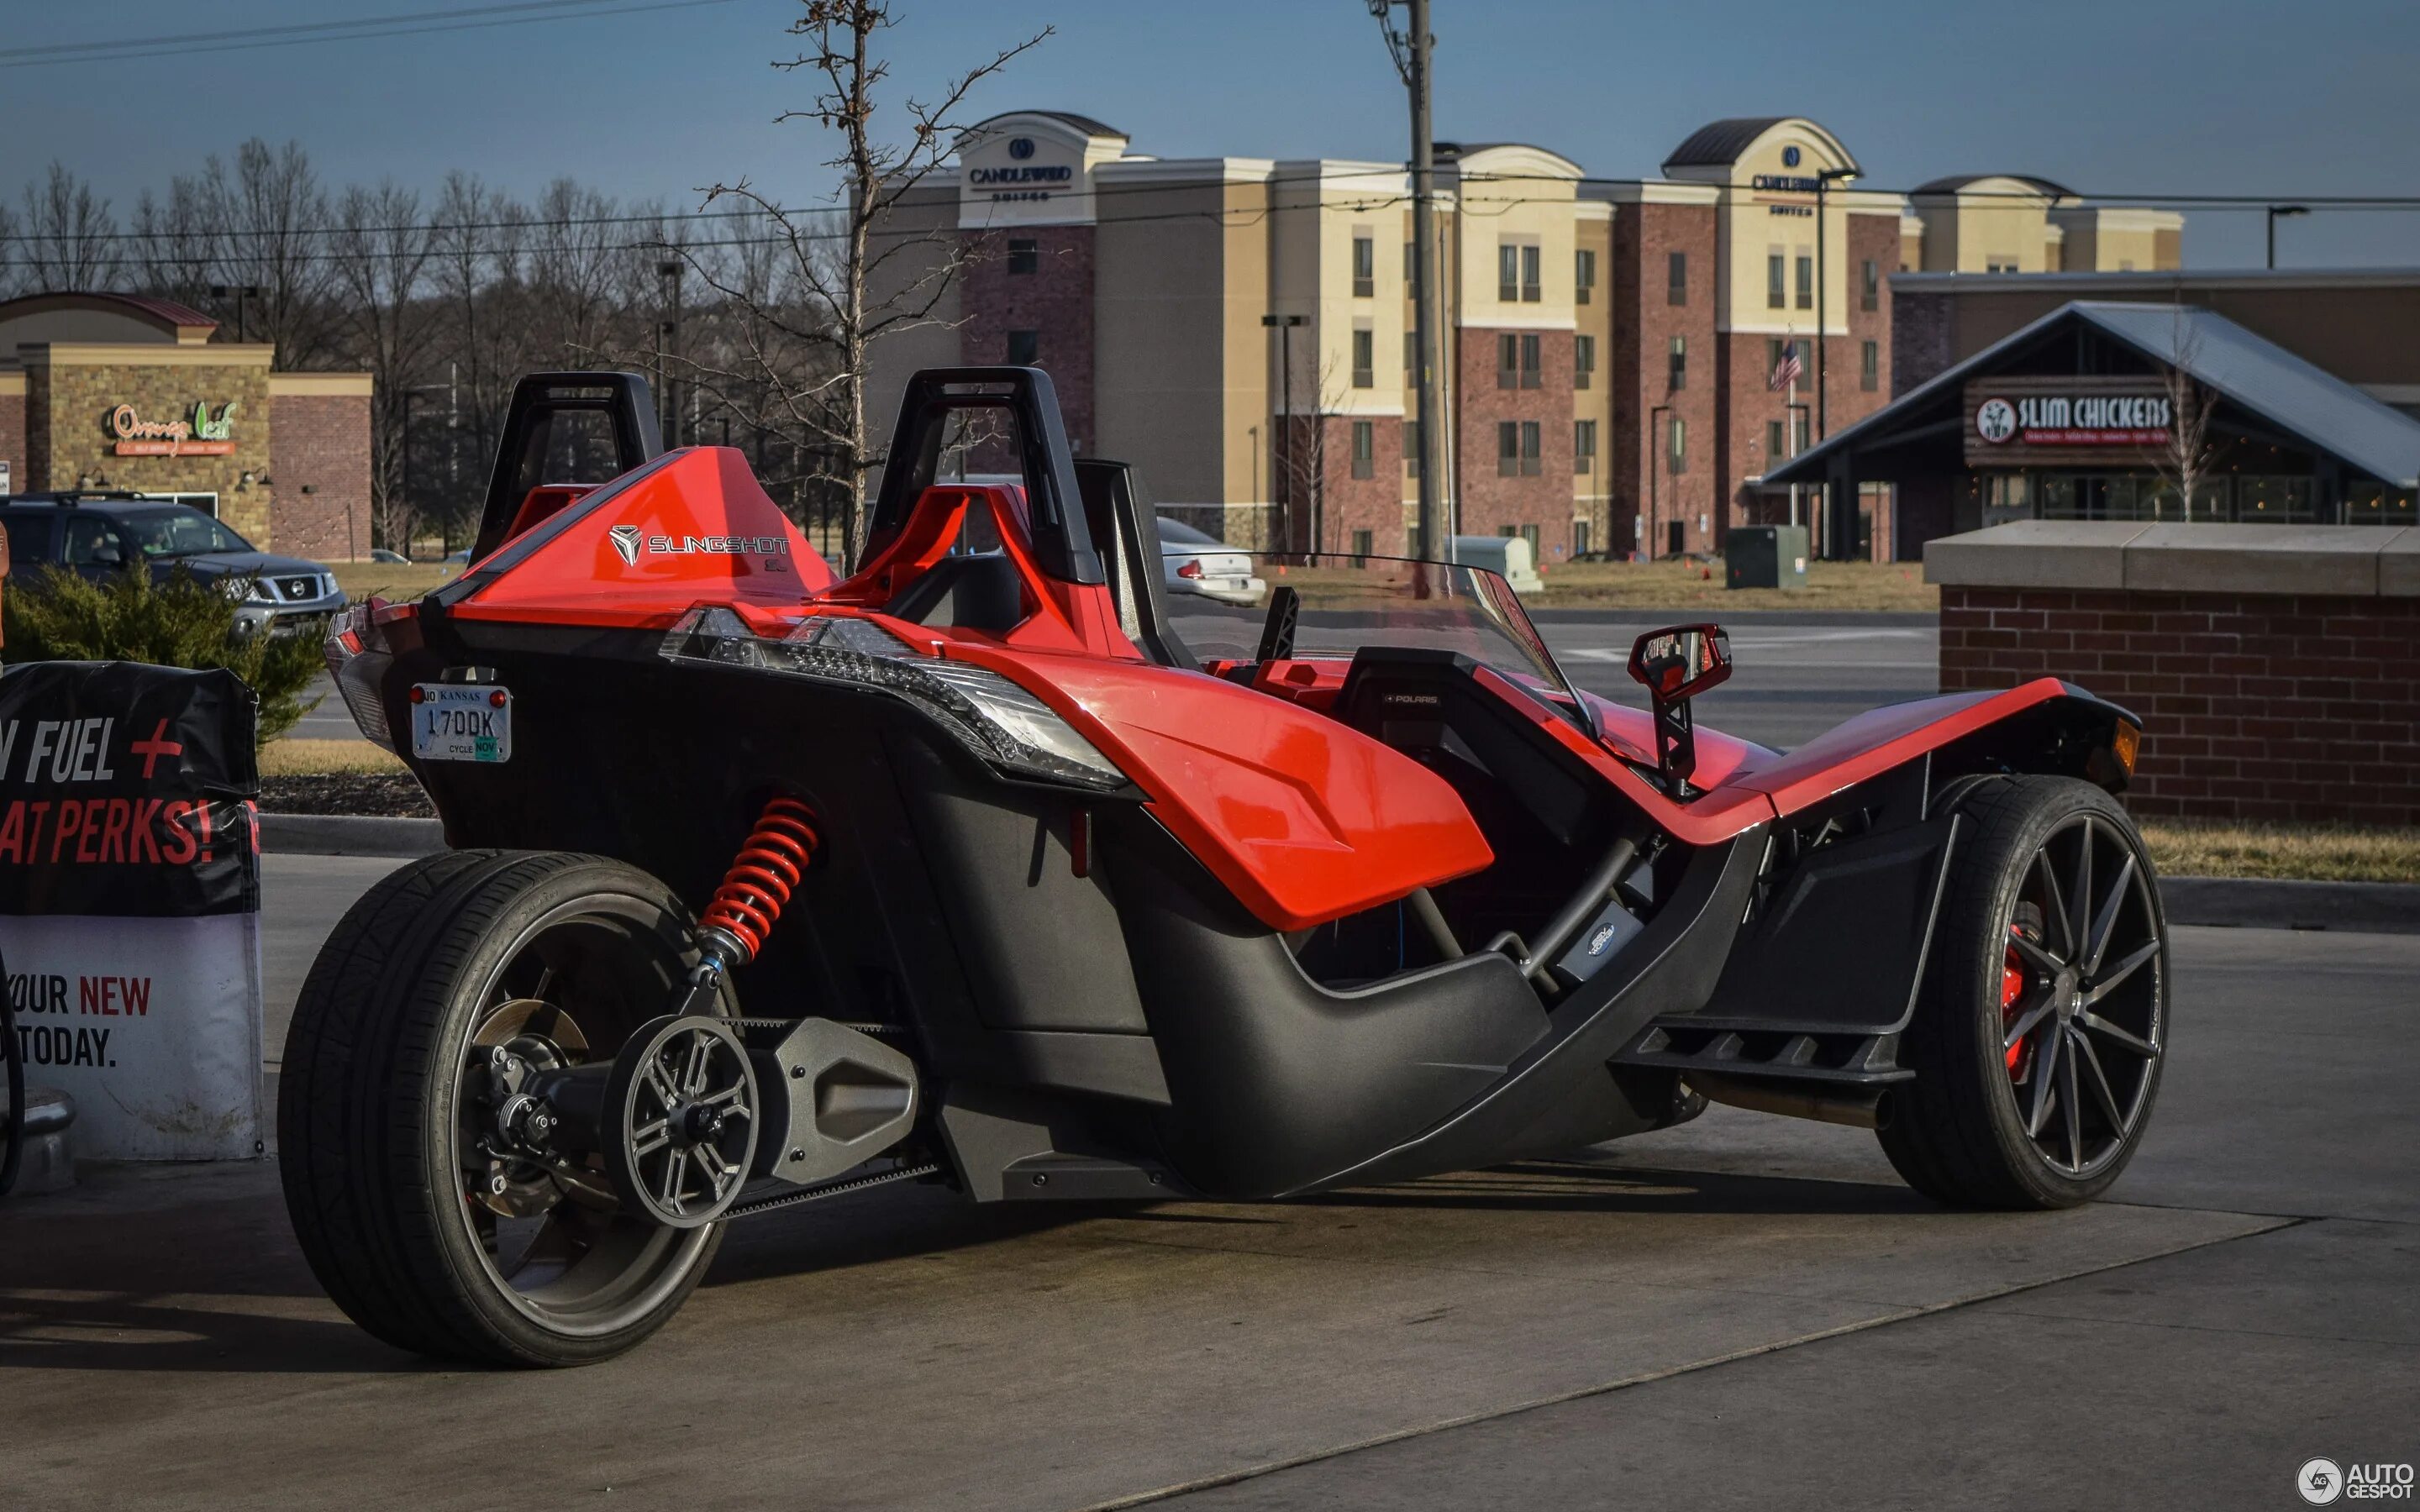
2041	1026
431	1231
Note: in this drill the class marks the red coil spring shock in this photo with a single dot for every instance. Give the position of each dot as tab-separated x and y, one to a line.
745	907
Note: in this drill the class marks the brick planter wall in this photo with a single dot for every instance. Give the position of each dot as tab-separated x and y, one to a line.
2254	705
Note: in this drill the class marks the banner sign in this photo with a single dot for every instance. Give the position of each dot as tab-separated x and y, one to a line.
2020	422
130	896
127	791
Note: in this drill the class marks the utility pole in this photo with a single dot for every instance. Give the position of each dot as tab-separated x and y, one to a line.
2274	211
1285	324
1411	55
668	348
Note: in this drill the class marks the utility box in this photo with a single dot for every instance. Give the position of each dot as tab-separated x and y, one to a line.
1765	556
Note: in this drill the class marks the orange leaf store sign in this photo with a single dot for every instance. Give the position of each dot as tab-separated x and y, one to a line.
201	433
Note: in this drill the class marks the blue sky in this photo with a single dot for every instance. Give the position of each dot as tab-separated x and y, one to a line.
2133	97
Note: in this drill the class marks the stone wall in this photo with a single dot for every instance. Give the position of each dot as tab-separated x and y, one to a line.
2298	704
70	401
12	430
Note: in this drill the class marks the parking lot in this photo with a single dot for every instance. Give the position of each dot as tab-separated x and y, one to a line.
1737	1312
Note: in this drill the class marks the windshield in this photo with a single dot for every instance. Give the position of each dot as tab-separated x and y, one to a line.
177	531
1350	602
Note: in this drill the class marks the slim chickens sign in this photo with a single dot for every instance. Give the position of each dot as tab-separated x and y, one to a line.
2065	421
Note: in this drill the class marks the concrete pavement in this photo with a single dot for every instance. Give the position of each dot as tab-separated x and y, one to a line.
1742	1309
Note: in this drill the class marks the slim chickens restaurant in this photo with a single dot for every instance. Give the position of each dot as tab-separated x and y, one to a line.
127	393
2098	410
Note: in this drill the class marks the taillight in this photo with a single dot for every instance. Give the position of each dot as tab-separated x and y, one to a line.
358	658
1190	568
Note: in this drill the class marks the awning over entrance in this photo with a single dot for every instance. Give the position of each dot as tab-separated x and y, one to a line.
2083	388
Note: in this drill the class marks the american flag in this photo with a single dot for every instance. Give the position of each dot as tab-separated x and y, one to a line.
1788	370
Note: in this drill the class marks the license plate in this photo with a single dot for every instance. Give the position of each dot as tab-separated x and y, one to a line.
461	722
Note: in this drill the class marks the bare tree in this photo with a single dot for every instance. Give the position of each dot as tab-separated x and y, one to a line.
849	277
68	235
1302	459
270	218
2188	454
380	255
175	248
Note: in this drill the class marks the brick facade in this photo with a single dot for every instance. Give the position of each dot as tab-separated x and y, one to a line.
320	454
68	441
1645	320
1491	503
1344	503
12	431
2255	706
1920	325
1056	300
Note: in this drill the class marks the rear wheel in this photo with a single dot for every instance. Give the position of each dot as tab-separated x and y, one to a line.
2038	1039
429	1228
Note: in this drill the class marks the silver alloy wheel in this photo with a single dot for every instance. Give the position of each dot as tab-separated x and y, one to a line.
556	1241
2081	1027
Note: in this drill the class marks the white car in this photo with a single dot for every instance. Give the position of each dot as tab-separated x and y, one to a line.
1192	563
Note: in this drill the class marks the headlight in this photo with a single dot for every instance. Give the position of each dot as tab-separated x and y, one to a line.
259	591
991	716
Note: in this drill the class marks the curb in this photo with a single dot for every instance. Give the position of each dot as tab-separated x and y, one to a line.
2235	903
313	834
2253	903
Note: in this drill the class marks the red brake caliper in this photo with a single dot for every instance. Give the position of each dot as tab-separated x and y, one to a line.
2012	987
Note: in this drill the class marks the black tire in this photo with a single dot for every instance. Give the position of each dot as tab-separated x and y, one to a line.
372	1101
2049	1117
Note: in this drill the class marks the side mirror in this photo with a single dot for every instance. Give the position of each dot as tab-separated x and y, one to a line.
1676	664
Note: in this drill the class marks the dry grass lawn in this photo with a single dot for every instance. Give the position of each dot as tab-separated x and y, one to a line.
1682	584
2306	853
312	758
388	581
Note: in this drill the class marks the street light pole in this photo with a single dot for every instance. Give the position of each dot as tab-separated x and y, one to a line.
1411	55
1655	444
1285	324
2275	211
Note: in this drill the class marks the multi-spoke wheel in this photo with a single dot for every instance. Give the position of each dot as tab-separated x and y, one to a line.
432	1197
2037	1039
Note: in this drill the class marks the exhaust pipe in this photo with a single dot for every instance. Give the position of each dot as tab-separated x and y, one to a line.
1795	1100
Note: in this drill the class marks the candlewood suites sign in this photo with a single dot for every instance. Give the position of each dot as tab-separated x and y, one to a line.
200	432
2065	421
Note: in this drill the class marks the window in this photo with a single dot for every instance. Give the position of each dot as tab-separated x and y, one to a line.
1531	461
1365	450
1409	247
1870	366
1411	448
1806	281
1776	448
1584	276
1583	446
1518	361
1798	432
1024	348
1411	353
1530	285
91	543
1583	360
1508	448
1677	457
2000	262
1508	272
1775	297
1364	359
1362	544
1365	266
1529	533
1678	377
30	541
1870	286
1771	355
1579	538
1023	257
1676	278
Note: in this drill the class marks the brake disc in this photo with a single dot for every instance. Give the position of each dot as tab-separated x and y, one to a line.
519	1036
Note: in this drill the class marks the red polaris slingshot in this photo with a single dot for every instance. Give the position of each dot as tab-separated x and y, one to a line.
988	865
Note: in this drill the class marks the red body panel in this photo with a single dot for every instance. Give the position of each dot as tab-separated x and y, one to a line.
1880	740
703	493
1303	819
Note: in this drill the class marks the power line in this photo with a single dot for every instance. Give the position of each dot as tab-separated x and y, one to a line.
408	23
